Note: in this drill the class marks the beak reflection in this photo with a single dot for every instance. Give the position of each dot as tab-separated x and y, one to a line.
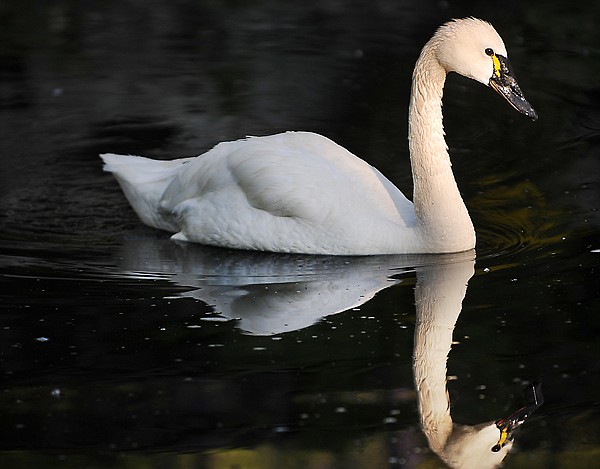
508	425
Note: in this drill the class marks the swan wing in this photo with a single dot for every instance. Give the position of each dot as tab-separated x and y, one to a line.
294	174
295	192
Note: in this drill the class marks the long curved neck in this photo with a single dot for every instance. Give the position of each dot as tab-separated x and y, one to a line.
440	211
439	293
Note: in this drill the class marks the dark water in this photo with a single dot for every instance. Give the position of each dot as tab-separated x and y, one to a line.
122	349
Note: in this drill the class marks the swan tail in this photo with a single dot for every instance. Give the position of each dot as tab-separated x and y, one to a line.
143	182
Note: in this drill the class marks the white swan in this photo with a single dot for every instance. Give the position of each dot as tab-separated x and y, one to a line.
300	192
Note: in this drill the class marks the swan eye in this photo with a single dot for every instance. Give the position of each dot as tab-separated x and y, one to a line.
489	51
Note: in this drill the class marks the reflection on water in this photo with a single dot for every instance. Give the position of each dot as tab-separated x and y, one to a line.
267	294
119	348
270	294
439	293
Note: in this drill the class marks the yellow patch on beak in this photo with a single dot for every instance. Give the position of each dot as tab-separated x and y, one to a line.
496	65
503	437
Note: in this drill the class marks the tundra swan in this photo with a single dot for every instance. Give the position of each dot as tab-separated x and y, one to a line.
300	192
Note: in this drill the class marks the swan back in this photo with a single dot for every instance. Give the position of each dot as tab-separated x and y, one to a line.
461	47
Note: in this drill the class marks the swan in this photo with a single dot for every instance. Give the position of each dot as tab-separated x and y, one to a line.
299	192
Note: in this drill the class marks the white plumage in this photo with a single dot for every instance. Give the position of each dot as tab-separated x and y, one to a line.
301	192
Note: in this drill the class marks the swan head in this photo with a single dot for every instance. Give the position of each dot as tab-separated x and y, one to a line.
472	48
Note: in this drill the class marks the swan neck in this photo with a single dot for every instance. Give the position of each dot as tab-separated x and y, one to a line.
440	211
425	119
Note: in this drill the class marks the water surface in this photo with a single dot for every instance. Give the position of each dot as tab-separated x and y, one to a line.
120	348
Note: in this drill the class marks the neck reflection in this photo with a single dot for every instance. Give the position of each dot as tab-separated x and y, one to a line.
272	294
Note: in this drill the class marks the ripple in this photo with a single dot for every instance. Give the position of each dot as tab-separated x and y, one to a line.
513	219
509	238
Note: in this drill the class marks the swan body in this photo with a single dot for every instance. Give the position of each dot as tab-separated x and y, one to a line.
300	192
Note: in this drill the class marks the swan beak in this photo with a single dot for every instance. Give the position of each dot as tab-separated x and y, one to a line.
508	425
505	84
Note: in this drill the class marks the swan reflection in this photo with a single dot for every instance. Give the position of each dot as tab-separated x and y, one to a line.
268	293
274	293
439	292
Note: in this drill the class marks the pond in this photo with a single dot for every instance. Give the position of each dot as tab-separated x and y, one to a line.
121	348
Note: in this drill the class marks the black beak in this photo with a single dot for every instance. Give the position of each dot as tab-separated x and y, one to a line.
508	425
505	83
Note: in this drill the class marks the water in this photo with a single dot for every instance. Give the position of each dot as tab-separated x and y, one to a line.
122	349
